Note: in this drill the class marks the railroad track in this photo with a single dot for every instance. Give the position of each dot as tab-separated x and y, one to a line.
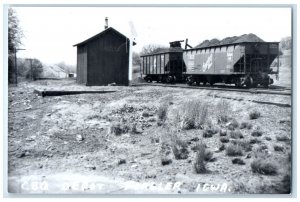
273	90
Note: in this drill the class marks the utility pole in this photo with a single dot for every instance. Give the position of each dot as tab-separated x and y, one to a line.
16	64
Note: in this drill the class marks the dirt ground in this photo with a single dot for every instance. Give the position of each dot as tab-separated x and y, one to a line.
66	144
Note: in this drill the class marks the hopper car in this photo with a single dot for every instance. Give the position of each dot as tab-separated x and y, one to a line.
243	64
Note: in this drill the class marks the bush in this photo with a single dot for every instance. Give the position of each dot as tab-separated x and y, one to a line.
264	166
278	148
234	150
180	149
165	153
246	125
254	115
208	155
222	147
282	138
162	113
224	139
199	164
236	134
194	114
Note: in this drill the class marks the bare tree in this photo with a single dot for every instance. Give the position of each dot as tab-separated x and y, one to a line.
68	68
15	35
152	48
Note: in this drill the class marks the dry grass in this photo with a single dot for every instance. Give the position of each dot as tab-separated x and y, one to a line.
210	131
234	150
236	134
223	110
265	166
193	115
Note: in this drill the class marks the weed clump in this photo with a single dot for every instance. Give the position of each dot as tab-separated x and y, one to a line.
210	131
236	134
238	161
234	150
233	125
246	125
224	139
180	148
162	113
264	166
254	115
245	144
223	108
118	128
282	138
193	115
278	148
200	165
257	132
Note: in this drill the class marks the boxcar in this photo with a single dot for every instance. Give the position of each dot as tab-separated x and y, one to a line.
246	63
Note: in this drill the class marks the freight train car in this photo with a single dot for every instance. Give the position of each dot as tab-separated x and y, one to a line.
243	64
246	63
164	66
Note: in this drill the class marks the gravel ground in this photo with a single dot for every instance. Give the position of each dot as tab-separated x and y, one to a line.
65	139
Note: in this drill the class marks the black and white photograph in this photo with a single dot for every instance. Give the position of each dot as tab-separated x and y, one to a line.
156	100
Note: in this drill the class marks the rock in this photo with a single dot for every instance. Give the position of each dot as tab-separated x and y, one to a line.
91	167
238	161
121	161
166	161
79	138
134	166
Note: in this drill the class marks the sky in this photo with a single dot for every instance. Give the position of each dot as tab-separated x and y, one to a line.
51	32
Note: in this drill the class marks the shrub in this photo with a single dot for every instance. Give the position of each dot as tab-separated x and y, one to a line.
278	148
234	150
180	149
162	113
236	134
254	115
257	133
246	125
199	164
224	139
264	166
282	138
238	161
268	138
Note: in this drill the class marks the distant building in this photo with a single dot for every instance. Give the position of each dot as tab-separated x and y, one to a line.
103	59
